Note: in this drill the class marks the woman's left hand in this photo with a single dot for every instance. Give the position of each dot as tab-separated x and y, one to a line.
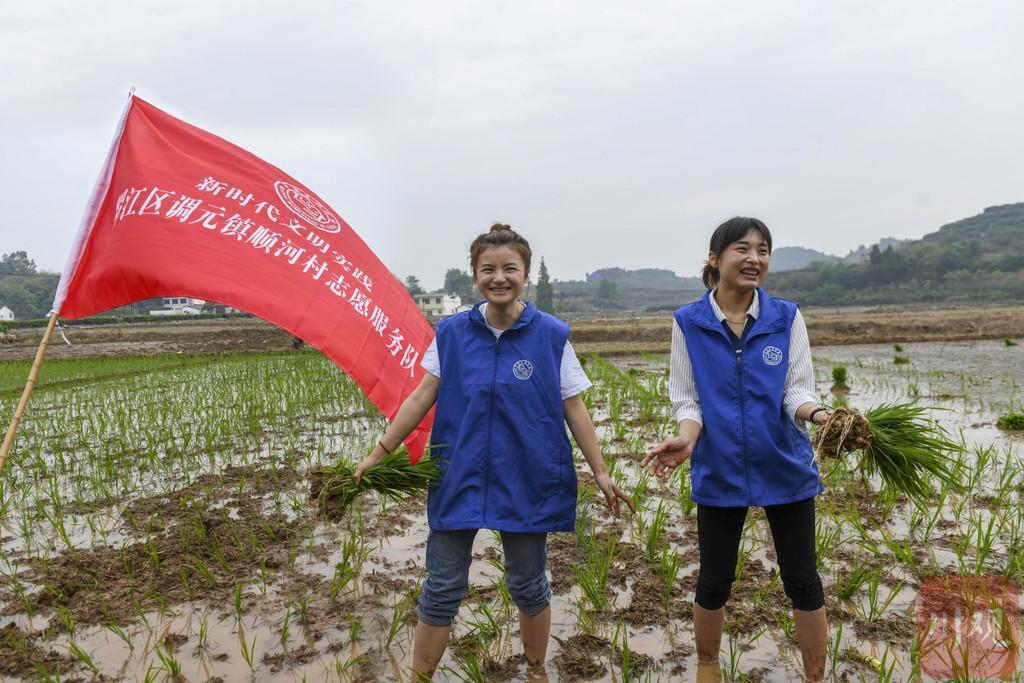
613	493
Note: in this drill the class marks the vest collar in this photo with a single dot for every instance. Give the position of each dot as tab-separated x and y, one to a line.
525	318
769	318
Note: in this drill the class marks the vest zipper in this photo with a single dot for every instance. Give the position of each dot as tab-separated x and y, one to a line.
743	421
490	422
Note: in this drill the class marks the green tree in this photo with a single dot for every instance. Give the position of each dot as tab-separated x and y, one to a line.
458	283
412	283
545	292
607	290
17	263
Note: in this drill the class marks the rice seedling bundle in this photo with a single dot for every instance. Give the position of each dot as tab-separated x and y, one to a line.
896	441
394	478
1011	421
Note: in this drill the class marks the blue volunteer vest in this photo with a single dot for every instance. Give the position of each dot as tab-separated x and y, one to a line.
499	427
749	452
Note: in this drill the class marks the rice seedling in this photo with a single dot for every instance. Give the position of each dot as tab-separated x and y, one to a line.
398	615
202	637
352	664
898	348
834	649
468	669
285	635
483	624
897	442
353	554
505	601
248	650
686	503
847	586
839	379
237	602
66	620
620	644
900	360
785	620
170	663
731	668
760	596
668	571
742	557
979	537
877	605
1009	342
355	628
640	489
592	577
826	538
886	667
83	657
120	633
652	537
394	478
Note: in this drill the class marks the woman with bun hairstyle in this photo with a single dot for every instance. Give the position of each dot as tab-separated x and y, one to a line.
506	382
742	389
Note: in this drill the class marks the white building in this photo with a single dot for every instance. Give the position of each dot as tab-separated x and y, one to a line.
180	305
6	313
437	305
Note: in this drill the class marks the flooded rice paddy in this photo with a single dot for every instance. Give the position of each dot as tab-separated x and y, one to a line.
156	524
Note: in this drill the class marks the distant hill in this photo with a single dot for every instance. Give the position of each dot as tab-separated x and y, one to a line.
861	253
609	289
980	258
658	278
791	258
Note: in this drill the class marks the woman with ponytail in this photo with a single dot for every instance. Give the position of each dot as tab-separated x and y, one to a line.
742	388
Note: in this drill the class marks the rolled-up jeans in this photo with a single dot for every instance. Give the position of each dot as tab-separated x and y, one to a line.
449	554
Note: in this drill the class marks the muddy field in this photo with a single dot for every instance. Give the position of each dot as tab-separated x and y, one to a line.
156	524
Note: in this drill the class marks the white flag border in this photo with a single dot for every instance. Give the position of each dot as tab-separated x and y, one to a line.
92	208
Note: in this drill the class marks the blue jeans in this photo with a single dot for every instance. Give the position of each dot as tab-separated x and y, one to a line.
449	554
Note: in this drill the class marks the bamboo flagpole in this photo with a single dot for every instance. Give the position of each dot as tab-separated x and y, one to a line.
30	385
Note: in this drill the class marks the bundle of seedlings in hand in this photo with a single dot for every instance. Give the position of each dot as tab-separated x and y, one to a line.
394	478
896	441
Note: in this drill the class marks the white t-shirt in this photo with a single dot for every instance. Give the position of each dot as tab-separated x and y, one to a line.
573	379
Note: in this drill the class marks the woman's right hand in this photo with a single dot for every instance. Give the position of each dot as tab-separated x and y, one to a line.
372	459
668	455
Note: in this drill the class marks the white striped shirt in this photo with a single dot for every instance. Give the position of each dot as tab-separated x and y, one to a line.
799	388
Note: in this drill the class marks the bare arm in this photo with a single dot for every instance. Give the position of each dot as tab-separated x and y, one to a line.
671	453
411	413
582	428
805	410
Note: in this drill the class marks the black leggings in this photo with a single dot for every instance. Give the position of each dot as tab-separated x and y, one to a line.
792	524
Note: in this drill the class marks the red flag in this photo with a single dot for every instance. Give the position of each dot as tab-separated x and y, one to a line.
178	211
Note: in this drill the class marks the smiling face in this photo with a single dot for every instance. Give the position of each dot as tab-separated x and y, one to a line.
500	275
743	264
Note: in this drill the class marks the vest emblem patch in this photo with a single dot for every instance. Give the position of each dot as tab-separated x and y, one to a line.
522	369
772	355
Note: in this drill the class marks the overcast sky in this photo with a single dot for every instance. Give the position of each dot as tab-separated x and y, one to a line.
608	136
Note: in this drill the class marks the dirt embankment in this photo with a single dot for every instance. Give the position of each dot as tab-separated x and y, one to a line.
612	336
824	326
144	339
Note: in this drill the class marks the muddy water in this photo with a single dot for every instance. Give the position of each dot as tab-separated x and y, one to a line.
288	626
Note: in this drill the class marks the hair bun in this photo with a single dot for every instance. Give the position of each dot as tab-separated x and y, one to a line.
498	227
